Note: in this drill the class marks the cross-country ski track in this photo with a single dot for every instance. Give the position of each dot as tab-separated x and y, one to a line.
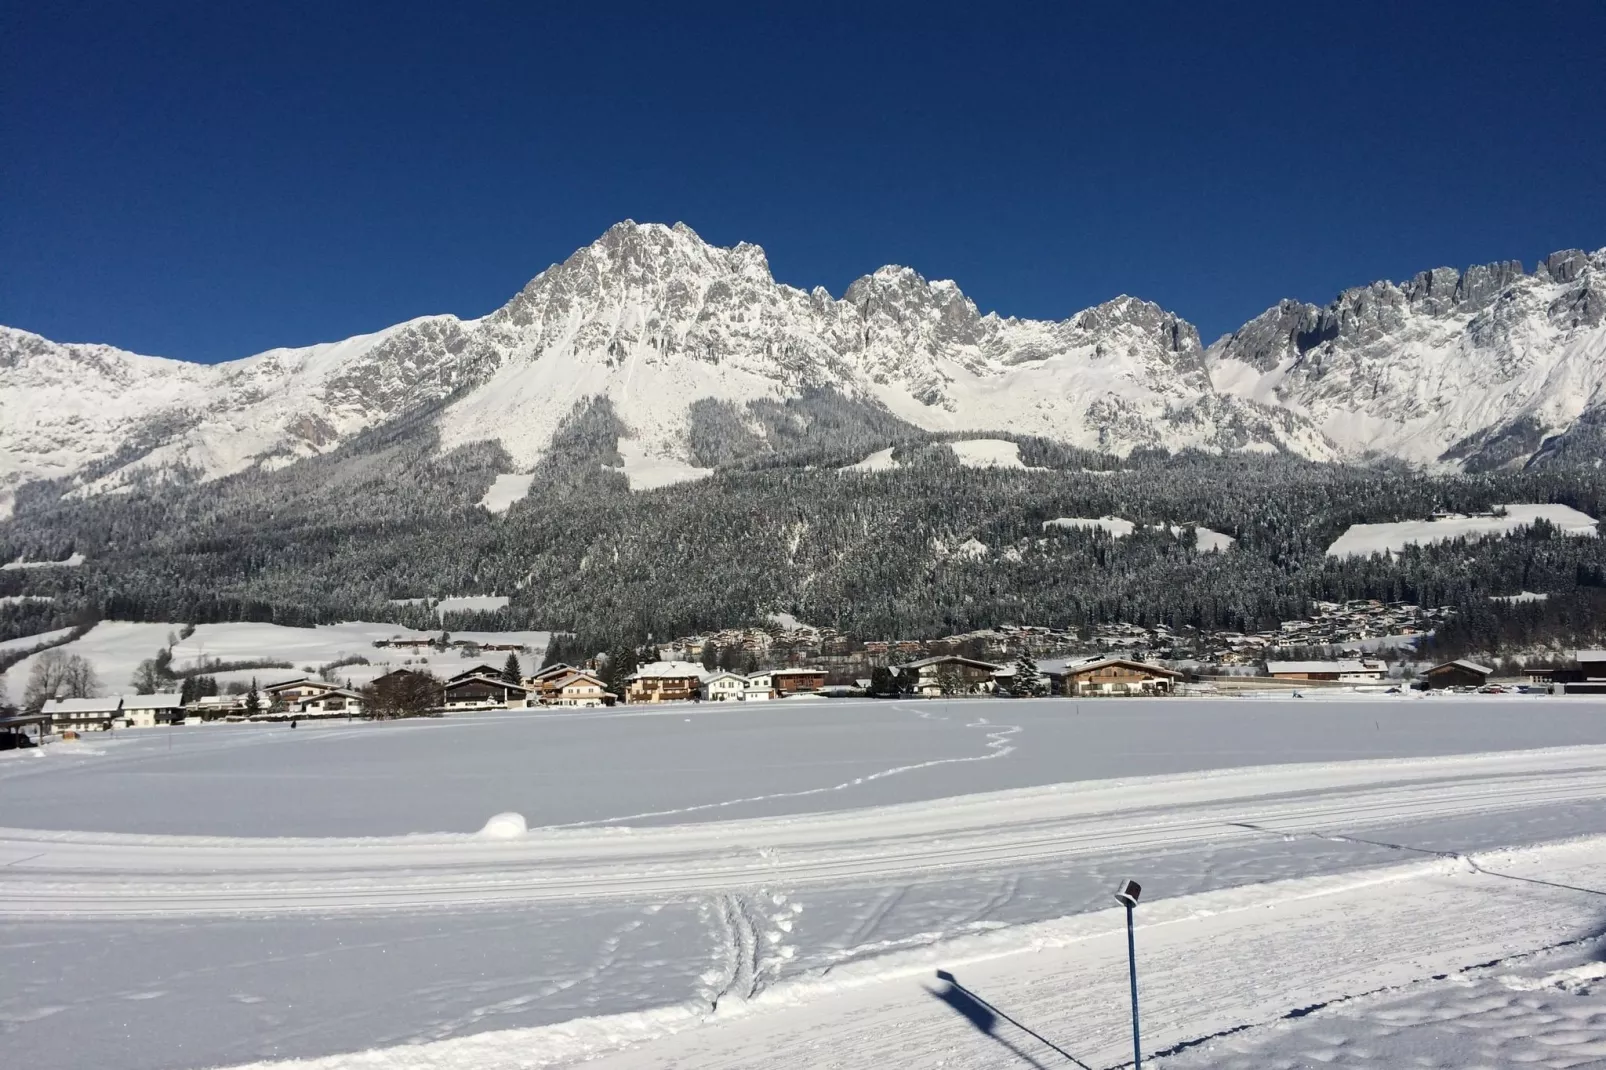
103	875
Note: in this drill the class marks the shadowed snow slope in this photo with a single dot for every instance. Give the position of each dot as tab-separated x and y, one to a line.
1482	368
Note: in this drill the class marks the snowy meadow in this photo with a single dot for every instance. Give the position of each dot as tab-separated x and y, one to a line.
698	882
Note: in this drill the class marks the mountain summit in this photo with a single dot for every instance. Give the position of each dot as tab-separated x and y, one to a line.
1483	368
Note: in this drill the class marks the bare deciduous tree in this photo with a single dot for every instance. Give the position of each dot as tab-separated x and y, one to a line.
59	675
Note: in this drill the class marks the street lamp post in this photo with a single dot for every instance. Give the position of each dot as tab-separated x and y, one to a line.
1127	896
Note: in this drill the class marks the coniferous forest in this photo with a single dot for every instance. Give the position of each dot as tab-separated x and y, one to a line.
927	549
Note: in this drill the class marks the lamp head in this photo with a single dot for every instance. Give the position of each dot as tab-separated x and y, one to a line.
1127	894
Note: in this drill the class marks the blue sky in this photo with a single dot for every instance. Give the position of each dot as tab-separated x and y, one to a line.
209	180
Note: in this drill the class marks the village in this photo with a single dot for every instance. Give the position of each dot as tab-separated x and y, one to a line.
412	692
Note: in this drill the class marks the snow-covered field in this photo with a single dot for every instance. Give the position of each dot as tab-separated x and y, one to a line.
115	649
776	886
1361	540
505	490
1205	540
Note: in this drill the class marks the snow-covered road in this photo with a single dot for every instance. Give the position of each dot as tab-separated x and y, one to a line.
86	875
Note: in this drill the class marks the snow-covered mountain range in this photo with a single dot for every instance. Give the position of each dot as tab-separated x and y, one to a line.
1488	367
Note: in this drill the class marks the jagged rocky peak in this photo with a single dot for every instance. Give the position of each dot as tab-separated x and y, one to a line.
901	297
1146	317
1286	329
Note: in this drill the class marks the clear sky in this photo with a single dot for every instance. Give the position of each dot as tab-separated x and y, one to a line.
209	180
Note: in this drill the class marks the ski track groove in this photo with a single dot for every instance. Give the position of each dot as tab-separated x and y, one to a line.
109	876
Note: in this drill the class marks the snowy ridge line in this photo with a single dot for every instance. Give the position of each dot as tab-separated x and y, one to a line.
83	875
587	1038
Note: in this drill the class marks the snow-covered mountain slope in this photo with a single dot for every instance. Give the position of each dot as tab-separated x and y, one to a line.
99	415
1447	368
1481	368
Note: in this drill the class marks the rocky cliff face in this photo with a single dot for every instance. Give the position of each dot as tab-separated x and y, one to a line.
1489	366
1478	368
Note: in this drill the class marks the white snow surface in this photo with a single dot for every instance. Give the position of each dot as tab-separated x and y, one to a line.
28	642
1117	527
1361	540
987	453
777	887
475	603
505	490
879	461
647	471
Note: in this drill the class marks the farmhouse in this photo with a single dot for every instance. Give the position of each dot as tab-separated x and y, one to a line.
146	711
476	670
80	714
480	692
665	681
1117	676
950	674
797	681
336	702
1457	674
1352	672
291	692
579	689
724	686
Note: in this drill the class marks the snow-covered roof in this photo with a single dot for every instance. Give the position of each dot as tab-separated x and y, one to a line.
1589	655
109	704
797	672
1099	663
1278	667
162	700
722	674
1464	664
483	678
658	670
571	676
941	658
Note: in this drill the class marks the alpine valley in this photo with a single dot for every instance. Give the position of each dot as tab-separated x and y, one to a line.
655	435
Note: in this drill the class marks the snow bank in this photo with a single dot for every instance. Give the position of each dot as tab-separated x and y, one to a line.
505	490
1362	540
505	826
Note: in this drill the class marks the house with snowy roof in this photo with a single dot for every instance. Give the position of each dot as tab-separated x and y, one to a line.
724	686
84	714
665	681
1458	673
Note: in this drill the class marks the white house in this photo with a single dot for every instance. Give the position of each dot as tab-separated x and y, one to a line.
758	687
84	714
724	686
147	711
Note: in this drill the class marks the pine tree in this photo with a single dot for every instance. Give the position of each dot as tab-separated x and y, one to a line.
513	672
1026	681
253	700
710	656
